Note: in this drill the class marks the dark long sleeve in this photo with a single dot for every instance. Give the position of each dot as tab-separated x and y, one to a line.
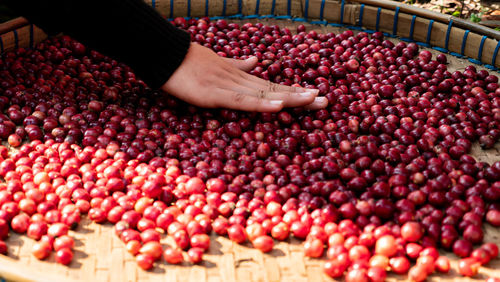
128	30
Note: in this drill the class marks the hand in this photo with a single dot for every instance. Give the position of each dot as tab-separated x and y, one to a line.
207	80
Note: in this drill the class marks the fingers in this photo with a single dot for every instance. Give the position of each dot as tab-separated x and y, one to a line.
289	100
253	81
270	86
261	103
247	84
239	101
244	65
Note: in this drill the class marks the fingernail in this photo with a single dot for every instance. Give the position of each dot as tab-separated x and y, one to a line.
320	100
276	102
313	91
306	94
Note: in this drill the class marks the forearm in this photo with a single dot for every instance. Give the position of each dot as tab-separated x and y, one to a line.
127	30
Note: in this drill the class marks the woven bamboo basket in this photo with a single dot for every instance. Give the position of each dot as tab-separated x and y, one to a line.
101	256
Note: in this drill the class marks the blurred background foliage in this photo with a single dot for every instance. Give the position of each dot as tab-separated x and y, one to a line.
484	12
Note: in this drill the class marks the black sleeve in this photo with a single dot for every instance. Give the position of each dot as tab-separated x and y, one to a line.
130	31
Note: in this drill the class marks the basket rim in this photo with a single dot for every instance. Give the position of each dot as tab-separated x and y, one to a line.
387	4
13	24
408	9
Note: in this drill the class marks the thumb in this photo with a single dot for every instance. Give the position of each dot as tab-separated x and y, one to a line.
244	65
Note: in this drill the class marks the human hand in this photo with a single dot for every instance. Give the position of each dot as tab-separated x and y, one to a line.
207	80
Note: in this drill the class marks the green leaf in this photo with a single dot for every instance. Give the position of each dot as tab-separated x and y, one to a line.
475	18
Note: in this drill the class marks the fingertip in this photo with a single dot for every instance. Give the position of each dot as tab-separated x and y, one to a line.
252	61
318	103
275	105
303	98
313	91
305	90
322	100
